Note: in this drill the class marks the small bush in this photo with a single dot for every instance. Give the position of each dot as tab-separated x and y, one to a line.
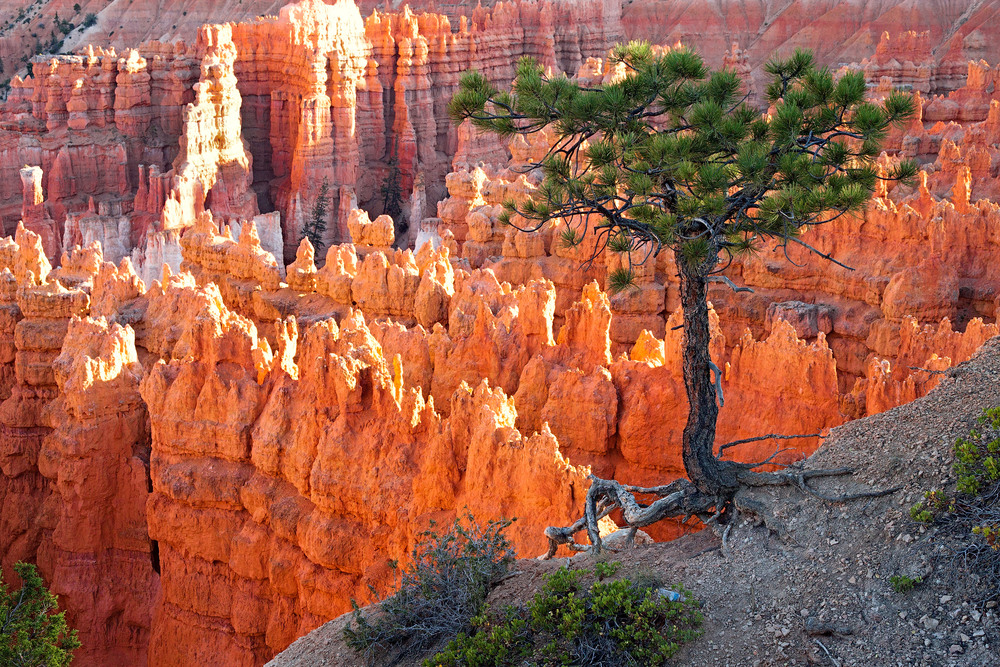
934	502
904	584
605	570
613	623
439	594
977	458
89	20
973	514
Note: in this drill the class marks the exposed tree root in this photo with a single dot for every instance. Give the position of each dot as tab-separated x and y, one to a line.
681	498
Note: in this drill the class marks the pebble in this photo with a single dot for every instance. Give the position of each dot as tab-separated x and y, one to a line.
945	599
954	649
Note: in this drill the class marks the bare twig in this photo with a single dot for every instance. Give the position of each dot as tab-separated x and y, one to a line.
730	283
769	436
718	382
928	370
818	252
835	662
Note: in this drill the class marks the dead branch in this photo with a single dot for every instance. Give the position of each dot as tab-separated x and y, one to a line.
929	370
730	283
825	650
769	436
718	382
815	627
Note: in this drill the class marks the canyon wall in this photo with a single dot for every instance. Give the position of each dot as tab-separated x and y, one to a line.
260	116
838	32
242	487
213	434
221	439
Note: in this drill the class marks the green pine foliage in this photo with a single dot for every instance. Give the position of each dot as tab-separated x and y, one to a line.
673	156
31	635
612	623
316	225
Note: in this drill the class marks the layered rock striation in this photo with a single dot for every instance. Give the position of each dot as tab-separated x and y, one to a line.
213	434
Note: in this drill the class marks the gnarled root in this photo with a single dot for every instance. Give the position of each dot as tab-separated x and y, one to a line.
680	498
800	479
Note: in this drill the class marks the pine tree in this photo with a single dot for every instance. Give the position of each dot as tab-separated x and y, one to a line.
30	634
673	157
392	195
316	226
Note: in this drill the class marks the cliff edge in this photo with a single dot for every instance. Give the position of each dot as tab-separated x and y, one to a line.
805	582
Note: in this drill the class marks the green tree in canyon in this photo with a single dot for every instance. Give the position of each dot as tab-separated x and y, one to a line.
31	635
316	225
673	156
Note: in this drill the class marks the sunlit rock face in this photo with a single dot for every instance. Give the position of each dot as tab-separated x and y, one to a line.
214	434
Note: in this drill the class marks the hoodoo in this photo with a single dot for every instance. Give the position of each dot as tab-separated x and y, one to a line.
215	434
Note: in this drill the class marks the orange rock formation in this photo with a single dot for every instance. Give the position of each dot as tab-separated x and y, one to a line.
212	437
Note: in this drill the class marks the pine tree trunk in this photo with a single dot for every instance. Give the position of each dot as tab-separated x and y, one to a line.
708	474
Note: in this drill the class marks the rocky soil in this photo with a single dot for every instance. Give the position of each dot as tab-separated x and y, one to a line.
801	581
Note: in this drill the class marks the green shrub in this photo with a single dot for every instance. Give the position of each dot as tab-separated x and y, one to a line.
904	584
30	634
973	514
934	503
605	570
89	20
977	458
440	594
608	623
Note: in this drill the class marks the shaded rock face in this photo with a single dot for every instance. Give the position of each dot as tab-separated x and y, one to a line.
133	141
213	435
925	44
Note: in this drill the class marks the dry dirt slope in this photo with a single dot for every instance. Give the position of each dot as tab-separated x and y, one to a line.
818	563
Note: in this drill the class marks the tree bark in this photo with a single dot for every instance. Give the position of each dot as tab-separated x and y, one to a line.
710	475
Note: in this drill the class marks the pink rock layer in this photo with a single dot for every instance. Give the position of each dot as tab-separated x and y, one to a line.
208	460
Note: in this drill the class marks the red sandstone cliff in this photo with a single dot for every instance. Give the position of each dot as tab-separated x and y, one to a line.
839	32
191	453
